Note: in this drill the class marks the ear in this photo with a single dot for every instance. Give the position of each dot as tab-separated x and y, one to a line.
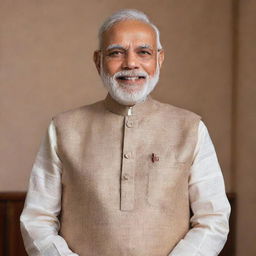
161	57
96	58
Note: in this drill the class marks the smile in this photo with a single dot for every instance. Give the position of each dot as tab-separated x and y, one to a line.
130	78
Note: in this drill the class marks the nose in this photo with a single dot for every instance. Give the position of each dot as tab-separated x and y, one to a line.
130	61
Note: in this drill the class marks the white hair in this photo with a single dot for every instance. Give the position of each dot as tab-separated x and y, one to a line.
127	14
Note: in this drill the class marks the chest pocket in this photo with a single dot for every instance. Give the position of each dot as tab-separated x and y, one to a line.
167	180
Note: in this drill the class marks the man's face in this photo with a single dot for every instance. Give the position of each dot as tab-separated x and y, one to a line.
129	62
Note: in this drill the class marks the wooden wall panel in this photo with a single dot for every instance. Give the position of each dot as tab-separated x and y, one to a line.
11	244
230	246
15	243
11	205
2	227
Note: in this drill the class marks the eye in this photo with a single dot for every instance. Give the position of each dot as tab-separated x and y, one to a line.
144	52
115	53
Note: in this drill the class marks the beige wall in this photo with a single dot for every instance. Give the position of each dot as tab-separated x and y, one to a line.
245	153
46	67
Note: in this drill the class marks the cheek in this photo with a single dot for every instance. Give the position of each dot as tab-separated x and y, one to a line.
111	67
150	67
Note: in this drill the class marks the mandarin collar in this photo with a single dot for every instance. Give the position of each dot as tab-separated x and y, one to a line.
137	109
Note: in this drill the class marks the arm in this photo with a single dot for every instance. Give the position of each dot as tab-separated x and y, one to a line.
39	219
208	201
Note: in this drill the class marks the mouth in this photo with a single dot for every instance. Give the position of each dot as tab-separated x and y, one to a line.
131	78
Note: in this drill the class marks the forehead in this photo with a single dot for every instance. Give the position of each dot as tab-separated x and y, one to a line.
130	32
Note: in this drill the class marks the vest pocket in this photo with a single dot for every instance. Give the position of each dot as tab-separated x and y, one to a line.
165	185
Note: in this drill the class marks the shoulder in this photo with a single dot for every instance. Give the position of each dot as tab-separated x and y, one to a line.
175	111
78	114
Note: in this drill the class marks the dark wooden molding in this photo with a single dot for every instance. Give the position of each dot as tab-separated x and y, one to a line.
13	196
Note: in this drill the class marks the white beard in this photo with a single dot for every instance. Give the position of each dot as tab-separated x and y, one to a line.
119	92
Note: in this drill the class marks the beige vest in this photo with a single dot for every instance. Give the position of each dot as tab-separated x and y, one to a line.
125	177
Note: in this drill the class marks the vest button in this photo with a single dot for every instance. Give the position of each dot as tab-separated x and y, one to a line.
125	177
129	123
127	155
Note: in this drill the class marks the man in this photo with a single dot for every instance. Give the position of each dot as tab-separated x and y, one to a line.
118	177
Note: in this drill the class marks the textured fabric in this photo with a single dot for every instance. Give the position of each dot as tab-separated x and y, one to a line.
126	176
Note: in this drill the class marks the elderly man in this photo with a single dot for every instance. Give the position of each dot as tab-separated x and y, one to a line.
119	177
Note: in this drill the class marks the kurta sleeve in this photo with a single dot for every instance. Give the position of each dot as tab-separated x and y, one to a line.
208	201
39	219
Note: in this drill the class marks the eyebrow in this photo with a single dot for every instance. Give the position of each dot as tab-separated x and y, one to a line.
145	46
115	46
118	46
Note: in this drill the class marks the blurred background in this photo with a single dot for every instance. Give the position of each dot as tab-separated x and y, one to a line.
46	67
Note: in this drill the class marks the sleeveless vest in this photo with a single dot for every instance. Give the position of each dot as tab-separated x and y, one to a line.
125	177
